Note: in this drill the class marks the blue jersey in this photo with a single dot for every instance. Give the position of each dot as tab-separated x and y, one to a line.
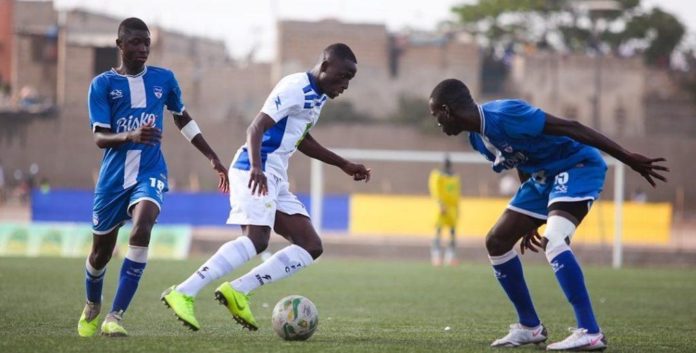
124	103
512	137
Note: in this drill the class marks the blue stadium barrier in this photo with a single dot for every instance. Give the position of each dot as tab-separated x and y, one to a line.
195	209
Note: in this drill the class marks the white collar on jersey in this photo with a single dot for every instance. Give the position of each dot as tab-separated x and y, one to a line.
482	118
141	73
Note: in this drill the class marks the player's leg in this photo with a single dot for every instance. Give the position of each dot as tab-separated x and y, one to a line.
507	268
450	258
235	294
144	212
95	269
564	217
257	214
230	256
450	252
436	247
526	212
245	209
569	202
108	214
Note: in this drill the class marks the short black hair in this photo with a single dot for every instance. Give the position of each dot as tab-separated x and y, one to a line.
131	23
452	92
341	51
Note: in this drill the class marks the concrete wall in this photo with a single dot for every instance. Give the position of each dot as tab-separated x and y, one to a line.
565	86
6	42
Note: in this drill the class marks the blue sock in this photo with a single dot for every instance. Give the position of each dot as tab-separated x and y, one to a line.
508	271
571	280
131	271
94	282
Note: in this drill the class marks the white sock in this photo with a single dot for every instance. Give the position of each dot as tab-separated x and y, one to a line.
282	264
228	257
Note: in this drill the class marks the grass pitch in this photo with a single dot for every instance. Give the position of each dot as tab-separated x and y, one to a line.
364	306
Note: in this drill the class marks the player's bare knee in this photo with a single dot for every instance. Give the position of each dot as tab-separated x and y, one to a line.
557	236
496	245
100	257
140	235
260	243
315	249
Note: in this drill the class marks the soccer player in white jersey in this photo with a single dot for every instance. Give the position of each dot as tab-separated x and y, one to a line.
562	173
259	193
126	113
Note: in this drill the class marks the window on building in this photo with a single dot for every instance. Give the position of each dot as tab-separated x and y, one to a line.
43	49
105	59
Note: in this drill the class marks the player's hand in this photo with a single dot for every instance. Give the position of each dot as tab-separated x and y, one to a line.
257	182
223	179
531	241
146	134
357	171
647	168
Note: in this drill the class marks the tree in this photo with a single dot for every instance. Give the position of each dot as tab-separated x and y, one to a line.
565	25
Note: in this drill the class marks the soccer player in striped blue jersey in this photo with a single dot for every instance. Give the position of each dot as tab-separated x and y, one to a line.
126	114
562	173
260	193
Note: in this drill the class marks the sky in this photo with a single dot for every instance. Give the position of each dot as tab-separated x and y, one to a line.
248	27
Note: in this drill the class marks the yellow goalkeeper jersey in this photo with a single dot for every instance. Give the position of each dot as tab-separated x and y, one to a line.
444	188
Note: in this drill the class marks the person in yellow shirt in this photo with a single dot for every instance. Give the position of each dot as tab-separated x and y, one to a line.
444	188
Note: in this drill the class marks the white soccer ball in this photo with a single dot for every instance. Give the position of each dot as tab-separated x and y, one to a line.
295	318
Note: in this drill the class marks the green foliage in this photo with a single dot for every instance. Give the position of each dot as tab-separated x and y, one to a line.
501	22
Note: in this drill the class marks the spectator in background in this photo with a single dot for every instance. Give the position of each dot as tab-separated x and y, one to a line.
445	188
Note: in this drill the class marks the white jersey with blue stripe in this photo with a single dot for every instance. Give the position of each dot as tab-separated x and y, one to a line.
123	103
294	104
512	136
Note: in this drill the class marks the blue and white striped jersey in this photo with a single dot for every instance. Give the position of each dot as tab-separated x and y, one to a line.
123	103
295	104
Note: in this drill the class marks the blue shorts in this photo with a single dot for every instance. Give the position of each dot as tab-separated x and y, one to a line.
582	182
112	209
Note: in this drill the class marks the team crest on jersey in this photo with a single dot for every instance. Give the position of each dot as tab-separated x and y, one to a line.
157	90
116	94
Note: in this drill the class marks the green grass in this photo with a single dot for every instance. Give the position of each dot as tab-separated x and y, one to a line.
364	306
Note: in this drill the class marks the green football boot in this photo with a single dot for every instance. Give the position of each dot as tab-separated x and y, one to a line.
111	327
182	305
238	304
89	320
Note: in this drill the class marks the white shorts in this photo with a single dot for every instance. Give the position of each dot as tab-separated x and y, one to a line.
260	210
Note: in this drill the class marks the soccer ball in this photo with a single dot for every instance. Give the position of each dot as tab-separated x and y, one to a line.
295	318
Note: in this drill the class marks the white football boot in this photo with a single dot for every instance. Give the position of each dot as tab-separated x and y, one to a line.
520	335
580	340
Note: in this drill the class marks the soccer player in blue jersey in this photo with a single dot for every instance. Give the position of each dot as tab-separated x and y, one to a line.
259	190
562	172
126	114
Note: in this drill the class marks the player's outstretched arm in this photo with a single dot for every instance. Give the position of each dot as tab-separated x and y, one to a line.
643	165
313	149
192	132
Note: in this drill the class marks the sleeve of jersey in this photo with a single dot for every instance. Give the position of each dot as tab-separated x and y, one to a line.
284	100
477	144
175	103
98	104
523	120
